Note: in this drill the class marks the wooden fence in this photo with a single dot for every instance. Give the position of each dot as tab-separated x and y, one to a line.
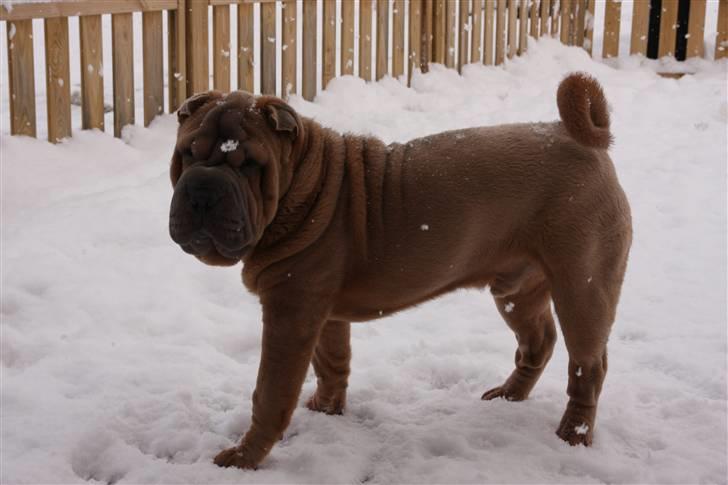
451	32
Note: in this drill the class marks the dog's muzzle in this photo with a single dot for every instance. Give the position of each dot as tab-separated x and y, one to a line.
208	212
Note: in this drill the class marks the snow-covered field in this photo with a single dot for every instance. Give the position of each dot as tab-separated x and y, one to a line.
126	360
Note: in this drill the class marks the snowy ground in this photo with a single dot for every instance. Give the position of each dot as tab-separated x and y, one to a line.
125	360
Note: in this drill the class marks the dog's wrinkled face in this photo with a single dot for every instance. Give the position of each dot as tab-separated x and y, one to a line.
230	164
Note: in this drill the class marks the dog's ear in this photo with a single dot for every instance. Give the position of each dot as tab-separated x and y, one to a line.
281	116
194	103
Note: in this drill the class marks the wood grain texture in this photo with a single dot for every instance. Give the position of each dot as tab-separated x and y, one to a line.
398	14
58	78
73	8
177	56
309	50
544	16
153	64
382	38
721	38
463	30
92	81
488	44
566	24
221	48
668	28
696	29
555	4
534	20
365	40
476	32
122	39
523	26
450	29
426	47
198	68
246	66
347	38
579	22
640	28
511	29
21	78
439	36
612	12
268	48
415	37
288	54
328	50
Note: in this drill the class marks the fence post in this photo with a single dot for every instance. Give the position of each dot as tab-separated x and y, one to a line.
268	48
426	48
415	37
488	32
347	37
288	61
92	82
153	54
398	38
463	28
309	50
365	40
198	69
382	38
221	47
21	77
328	51
612	14
58	85
696	29
476	50
246	73
523	30
668	28
500	32
123	69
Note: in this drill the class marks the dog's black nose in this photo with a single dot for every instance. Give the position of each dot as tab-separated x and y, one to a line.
205	190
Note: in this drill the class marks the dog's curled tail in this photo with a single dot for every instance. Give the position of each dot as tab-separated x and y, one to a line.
584	111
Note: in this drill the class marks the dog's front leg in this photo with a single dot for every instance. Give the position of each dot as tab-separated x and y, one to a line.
291	327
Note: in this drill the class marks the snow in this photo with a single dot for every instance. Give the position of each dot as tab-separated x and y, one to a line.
509	307
229	146
581	429
125	360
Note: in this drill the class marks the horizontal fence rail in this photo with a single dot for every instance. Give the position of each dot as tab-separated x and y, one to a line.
367	38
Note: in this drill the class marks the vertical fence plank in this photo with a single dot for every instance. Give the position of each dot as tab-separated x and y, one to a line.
511	28
122	49
398	12
246	65
721	38
668	28
555	5
268	48
288	47
589	26
329	42
365	40
198	69
545	11
221	47
500	32
566	21
612	14
382	37
21	77
450	29
309	50
463	28
580	22
177	57
347	38
153	69
534	18
476	35
426	54
523	30
439	23
696	29
92	81
640	26
58	85
415	36
488	11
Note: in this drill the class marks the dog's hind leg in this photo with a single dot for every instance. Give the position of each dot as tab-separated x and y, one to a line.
331	364
524	301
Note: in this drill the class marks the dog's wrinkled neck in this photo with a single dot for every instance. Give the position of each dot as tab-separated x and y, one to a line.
307	207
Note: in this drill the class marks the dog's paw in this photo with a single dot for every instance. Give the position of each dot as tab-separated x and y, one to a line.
235	457
332	406
504	392
575	432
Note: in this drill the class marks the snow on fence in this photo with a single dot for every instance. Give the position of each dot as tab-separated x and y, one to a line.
377	33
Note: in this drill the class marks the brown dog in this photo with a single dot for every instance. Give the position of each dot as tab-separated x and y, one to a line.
339	228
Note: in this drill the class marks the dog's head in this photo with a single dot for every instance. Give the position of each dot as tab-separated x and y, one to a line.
231	163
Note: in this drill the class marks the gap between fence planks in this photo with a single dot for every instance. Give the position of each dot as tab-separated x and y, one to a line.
92	82
153	52
21	78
